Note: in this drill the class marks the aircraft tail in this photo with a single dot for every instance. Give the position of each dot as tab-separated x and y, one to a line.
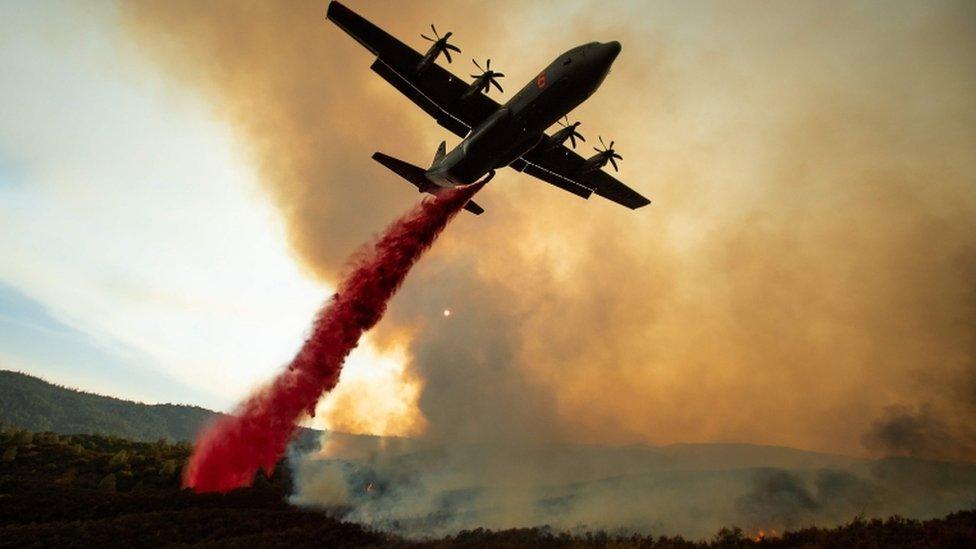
441	151
418	176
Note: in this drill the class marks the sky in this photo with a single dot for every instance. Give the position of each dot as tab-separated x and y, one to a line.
140	257
181	184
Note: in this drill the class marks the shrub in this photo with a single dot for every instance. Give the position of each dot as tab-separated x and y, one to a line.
24	438
119	460
107	484
168	468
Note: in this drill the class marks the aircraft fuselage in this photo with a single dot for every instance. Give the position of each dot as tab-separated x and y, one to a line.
518	125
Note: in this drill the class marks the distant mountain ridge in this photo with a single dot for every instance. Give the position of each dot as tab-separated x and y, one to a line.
31	403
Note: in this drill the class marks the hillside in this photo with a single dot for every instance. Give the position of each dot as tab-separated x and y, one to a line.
31	403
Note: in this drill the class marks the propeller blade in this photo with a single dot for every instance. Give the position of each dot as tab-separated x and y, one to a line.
435	30
448	35
579	136
475	61
498	74
488	64
425	37
497	85
475	76
617	156
597	150
611	145
614	162
602	143
447	54
572	139
453	48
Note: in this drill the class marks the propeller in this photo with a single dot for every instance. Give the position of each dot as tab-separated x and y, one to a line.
573	134
488	77
440	43
609	154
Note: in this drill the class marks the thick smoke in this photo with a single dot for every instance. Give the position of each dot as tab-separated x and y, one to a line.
903	431
807	263
230	451
422	490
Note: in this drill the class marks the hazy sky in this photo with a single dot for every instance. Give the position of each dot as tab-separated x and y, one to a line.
140	258
181	182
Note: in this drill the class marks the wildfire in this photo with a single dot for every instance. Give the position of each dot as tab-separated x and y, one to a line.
762	534
231	450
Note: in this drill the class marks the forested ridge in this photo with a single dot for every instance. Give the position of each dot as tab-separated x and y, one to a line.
31	403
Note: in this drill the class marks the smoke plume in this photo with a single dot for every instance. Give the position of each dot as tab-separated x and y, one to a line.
420	489
229	452
812	232
808	260
919	433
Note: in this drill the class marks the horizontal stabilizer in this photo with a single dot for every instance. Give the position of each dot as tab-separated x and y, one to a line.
474	208
411	173
418	177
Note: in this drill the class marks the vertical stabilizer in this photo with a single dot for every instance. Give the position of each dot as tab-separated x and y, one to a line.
441	151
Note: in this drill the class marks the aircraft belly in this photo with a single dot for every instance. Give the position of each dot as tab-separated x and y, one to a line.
478	157
502	139
442	179
465	172
494	151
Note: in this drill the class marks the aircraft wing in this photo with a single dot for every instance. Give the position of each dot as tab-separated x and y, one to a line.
435	90
561	167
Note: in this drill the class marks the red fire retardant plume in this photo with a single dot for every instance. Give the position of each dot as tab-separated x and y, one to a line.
230	451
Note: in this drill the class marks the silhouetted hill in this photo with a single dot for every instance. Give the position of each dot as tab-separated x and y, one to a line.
31	403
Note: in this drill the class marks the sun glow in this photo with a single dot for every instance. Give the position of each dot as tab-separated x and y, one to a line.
157	240
376	395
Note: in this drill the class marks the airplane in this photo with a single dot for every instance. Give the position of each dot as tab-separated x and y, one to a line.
495	136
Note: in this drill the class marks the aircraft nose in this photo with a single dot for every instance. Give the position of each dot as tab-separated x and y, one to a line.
612	49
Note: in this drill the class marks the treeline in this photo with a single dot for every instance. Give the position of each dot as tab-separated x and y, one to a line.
955	530
86	490
97	462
